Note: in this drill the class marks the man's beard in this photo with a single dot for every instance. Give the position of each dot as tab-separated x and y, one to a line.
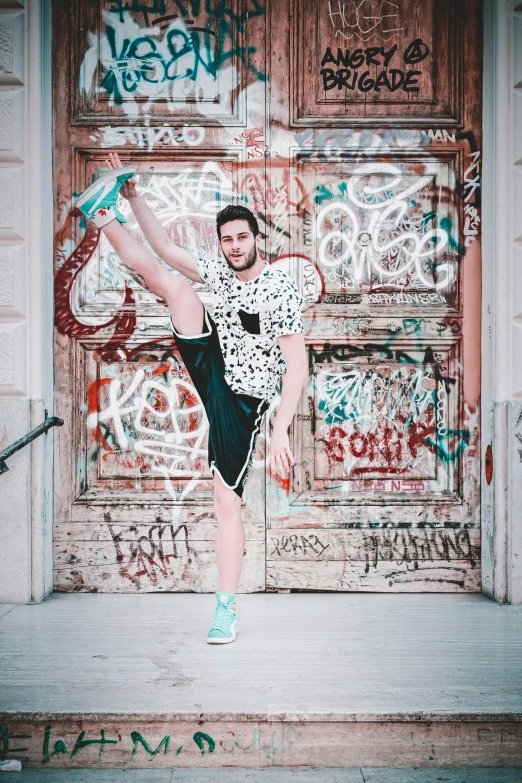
249	261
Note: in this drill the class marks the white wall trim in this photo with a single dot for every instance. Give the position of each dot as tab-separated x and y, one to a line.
40	236
502	298
26	313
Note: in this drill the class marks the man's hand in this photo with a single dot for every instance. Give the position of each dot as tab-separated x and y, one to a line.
281	459
294	352
128	189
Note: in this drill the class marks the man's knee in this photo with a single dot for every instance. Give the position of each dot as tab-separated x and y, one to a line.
226	502
179	289
186	309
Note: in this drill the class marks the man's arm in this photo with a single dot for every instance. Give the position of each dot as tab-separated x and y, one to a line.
160	242
294	352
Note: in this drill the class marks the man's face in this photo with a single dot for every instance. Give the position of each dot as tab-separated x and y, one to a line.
239	245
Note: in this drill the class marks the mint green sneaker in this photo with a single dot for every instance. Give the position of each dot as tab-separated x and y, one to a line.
98	201
224	625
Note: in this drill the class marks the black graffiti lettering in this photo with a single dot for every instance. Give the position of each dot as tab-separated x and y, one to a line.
416	52
382	81
358	57
389	54
295	543
414	548
355	61
342	353
150	555
116	538
391	80
462	537
329	79
345	74
319	543
341	78
366	83
370	55
410	81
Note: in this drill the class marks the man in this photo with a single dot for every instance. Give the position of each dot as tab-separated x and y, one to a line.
235	357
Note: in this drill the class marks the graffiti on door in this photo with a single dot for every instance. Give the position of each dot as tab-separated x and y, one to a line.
362	163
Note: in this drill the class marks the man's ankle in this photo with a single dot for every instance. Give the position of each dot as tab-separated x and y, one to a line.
223	595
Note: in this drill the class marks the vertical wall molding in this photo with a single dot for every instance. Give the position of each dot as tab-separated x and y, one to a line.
502	301
26	296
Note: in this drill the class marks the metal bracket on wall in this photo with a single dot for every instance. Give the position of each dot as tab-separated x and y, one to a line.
50	421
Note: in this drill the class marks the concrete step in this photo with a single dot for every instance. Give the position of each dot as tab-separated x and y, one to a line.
276	775
313	680
83	740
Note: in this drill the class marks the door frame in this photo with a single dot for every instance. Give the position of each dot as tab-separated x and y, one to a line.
501	571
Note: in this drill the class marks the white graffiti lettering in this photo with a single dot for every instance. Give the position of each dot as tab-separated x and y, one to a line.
472	176
166	422
364	19
379	232
149	137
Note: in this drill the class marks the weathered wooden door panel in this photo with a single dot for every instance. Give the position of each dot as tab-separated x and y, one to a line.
165	61
384	237
165	84
376	62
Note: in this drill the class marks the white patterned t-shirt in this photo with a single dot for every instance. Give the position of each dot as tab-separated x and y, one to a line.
249	317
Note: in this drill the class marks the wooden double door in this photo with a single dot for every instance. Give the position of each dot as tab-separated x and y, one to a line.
352	129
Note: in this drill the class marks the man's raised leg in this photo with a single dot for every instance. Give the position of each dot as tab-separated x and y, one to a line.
184	304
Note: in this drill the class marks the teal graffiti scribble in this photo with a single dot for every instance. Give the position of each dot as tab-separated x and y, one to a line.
411	326
83	743
427	218
322	194
255	744
440	444
140	60
446	224
137	738
288	735
358	396
59	748
6	738
199	738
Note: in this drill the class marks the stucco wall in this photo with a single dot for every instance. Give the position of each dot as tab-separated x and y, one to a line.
25	297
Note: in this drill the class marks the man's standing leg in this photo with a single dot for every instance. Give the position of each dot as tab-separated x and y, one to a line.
230	547
230	537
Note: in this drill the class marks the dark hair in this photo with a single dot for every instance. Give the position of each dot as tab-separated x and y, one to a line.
236	212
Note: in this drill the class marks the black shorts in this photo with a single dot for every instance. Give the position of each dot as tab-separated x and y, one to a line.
234	419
